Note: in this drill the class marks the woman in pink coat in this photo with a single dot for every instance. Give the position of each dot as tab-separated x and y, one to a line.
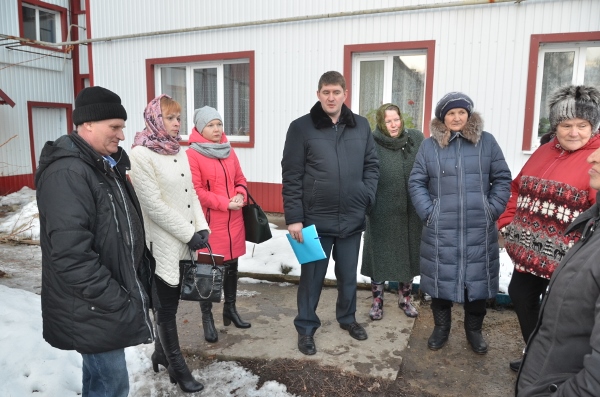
216	172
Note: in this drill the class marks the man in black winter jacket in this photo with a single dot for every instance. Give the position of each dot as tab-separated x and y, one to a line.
330	171
95	270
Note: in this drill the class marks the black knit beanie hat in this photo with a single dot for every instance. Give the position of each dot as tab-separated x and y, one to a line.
575	102
453	100
97	103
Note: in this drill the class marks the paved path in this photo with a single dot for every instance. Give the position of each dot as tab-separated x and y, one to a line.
271	309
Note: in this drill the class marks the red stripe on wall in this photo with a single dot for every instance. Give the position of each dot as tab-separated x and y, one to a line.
14	183
267	195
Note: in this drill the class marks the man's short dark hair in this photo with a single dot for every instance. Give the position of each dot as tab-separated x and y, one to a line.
332	78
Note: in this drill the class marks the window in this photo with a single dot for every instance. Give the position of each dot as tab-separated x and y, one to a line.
398	73
562	64
40	24
556	60
390	78
225	84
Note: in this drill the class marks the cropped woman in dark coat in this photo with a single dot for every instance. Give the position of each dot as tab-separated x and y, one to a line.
393	233
459	186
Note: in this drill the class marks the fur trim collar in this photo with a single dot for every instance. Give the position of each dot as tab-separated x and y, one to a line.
472	131
321	120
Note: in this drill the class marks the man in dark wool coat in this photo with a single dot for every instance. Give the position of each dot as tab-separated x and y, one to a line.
330	171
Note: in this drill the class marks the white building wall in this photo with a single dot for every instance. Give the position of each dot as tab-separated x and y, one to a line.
38	75
481	50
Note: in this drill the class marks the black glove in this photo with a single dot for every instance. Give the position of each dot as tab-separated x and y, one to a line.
196	242
204	235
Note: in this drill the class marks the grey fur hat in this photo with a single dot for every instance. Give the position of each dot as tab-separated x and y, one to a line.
205	115
575	101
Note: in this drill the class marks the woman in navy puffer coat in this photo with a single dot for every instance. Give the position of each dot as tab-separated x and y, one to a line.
459	185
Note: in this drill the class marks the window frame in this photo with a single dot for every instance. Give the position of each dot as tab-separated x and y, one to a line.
427	46
152	65
61	28
533	88
388	58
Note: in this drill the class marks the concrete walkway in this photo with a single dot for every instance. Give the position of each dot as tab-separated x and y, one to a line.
271	308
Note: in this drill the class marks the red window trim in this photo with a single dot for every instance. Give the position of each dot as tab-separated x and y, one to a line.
534	51
32	104
63	22
428	45
151	89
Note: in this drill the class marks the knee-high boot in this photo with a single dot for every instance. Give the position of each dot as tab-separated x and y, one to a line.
208	323
473	324
442	318
230	313
178	370
158	356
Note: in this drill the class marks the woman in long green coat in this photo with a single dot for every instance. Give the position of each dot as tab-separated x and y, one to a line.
393	233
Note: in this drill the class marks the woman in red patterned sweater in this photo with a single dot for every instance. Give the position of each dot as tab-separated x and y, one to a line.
551	190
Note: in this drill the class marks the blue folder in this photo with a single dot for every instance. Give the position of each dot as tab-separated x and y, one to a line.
310	250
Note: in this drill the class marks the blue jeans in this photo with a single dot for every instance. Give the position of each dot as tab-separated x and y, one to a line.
105	374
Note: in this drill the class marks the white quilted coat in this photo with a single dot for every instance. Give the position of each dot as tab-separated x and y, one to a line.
170	206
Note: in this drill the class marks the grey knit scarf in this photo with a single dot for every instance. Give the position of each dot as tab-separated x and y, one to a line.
213	150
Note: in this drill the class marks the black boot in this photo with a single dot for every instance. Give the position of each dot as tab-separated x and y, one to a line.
158	356
178	370
442	317
210	332
473	325
230	313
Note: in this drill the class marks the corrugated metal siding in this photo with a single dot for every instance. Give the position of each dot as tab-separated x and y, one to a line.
481	50
26	77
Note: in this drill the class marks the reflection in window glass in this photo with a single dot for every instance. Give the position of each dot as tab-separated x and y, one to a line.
592	67
371	88
47	26
237	91
558	71
29	30
408	83
205	88
172	81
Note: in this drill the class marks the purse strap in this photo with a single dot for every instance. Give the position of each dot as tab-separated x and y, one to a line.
248	194
215	269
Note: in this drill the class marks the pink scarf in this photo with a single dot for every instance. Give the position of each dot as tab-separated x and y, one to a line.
154	136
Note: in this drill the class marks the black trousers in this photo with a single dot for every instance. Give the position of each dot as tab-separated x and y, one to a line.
525	291
312	276
476	307
169	300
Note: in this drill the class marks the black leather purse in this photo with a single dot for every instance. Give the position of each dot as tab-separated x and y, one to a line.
202	281
256	223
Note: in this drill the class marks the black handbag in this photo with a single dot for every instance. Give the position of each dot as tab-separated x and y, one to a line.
256	223
201	282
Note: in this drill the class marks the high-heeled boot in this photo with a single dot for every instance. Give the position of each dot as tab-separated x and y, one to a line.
178	370
158	356
230	313
208	323
473	324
